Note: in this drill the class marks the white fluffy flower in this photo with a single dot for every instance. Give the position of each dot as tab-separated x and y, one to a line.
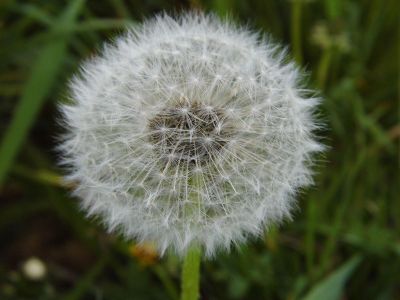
189	131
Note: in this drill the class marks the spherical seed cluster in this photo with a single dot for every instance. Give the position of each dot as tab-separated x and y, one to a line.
189	131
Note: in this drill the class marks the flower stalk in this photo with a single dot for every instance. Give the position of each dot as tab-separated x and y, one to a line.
191	274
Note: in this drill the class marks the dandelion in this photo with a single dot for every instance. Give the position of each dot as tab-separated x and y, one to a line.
189	131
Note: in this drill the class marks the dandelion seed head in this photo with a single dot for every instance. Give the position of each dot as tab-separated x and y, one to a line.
189	130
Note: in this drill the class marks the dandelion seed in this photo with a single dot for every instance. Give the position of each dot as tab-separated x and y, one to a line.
189	131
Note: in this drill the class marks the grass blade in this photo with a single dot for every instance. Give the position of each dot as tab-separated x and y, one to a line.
332	287
38	86
86	282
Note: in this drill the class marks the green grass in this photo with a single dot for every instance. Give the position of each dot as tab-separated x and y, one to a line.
344	240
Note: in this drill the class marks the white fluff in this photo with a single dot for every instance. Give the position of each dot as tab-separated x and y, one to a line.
248	143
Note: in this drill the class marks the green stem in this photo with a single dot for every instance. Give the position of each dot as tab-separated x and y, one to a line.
166	281
191	274
296	30
310	237
323	68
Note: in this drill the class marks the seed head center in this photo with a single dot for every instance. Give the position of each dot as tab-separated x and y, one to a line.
189	132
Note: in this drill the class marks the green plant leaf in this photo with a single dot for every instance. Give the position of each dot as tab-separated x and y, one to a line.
37	88
87	280
332	287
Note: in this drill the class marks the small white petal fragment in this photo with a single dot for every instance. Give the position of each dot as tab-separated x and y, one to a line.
34	269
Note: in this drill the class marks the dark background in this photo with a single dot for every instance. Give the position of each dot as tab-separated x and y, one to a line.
344	241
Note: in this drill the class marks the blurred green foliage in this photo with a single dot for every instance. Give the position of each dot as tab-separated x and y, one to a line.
345	239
